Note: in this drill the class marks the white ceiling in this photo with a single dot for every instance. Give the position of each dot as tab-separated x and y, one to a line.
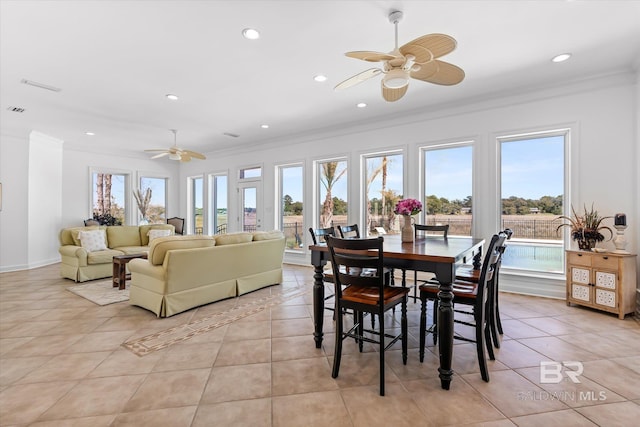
116	60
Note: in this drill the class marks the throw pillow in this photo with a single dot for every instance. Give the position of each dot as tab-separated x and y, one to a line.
93	240
154	234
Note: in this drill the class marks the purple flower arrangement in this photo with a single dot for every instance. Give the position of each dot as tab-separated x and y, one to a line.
408	207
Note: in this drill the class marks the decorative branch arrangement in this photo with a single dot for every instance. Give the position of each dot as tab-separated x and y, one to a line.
143	201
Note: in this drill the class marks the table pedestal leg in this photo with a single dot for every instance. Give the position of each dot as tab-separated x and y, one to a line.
318	304
445	334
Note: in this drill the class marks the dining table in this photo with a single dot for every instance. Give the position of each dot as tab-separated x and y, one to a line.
427	253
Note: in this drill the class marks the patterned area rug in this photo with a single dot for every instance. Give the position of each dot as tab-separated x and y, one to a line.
159	340
101	292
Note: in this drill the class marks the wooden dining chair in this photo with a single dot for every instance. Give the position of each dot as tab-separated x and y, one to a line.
349	231
469	274
178	224
318	236
368	292
422	230
471	294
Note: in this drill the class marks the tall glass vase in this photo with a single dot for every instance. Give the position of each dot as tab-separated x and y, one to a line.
407	231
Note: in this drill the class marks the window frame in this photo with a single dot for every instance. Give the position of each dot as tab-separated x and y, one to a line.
142	175
565	132
279	211
318	189
459	143
129	204
364	229
190	223
212	201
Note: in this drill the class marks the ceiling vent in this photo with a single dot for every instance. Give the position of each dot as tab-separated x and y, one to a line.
40	85
232	135
16	109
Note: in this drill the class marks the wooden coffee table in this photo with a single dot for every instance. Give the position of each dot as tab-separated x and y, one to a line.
120	262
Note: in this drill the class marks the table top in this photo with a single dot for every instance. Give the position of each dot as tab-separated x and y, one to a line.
437	249
129	257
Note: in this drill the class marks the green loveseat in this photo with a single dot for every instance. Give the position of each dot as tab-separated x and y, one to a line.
80	265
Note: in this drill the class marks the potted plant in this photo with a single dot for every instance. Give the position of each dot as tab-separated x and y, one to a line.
406	208
586	228
106	219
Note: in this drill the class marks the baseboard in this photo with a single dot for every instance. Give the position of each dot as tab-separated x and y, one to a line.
20	267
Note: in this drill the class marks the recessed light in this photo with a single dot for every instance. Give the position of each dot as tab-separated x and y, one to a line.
89	133
320	78
361	105
264	126
561	58
172	97
251	34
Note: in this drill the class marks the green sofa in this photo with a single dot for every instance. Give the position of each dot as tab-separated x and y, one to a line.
81	265
183	272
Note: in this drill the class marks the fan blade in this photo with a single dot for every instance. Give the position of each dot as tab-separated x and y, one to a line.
184	157
426	70
438	44
446	74
194	154
367	55
157	149
358	78
157	156
392	95
421	54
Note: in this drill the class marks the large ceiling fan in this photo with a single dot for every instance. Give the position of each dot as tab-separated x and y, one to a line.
416	59
176	153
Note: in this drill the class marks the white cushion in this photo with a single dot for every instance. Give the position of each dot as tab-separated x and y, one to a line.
154	234
94	240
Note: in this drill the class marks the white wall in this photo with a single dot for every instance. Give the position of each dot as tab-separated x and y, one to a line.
44	202
14	164
601	113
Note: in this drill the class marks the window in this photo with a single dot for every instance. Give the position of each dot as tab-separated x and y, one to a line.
448	186
109	195
219	220
253	172
291	206
384	182
332	193
196	206
532	196
156	213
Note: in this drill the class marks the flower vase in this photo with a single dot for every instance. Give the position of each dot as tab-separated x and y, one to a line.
143	221
407	231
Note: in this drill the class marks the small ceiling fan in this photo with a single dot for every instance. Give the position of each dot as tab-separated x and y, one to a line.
416	59
176	153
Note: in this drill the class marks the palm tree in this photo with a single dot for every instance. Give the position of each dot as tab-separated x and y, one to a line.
330	175
380	169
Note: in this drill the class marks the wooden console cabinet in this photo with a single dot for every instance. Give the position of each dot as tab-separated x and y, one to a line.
604	281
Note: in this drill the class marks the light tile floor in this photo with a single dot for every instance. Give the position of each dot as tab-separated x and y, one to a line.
62	364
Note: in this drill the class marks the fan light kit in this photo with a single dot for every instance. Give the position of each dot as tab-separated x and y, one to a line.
416	60
176	153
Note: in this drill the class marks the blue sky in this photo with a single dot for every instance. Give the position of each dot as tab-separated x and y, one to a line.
530	169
